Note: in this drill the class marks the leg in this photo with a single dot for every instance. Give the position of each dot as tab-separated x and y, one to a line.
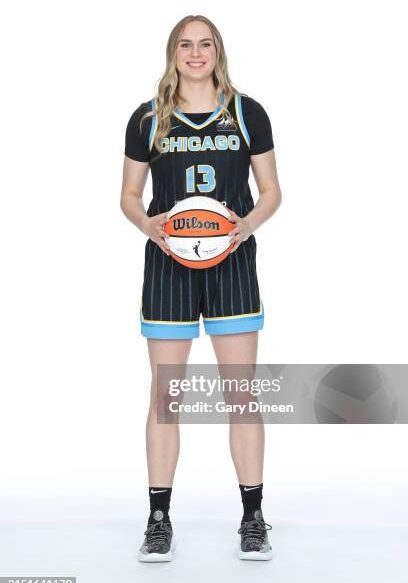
162	448
247	450
169	317
246	440
162	440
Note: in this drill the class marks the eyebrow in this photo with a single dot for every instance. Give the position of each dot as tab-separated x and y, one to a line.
183	40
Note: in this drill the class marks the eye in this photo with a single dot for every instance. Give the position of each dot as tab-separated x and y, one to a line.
186	44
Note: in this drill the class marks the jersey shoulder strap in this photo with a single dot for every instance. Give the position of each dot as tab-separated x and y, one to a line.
153	125
240	118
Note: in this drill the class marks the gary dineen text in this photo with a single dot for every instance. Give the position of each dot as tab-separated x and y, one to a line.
222	407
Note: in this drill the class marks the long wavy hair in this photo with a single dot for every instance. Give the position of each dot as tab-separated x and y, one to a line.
168	98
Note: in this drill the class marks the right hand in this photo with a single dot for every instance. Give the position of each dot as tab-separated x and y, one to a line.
154	229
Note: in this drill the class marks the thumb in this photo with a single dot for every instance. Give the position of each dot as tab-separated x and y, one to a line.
233	216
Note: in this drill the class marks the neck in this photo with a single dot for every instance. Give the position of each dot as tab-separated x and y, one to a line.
197	96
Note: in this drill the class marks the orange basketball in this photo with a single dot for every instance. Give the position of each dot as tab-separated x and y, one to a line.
197	232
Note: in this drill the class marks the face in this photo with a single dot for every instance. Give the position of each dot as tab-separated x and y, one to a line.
196	53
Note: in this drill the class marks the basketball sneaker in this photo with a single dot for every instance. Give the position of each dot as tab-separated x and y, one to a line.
157	546
254	538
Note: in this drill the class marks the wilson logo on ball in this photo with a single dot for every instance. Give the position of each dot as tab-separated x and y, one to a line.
194	223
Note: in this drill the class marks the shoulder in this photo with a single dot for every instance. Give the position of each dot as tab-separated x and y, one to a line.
138	125
143	108
251	106
256	124
139	132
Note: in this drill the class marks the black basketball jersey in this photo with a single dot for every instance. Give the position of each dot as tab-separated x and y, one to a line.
204	153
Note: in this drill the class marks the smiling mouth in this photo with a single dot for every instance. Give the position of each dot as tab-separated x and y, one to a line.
196	64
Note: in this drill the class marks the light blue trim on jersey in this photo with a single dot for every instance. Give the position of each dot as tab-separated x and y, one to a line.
154	124
234	325
198	126
240	116
170	331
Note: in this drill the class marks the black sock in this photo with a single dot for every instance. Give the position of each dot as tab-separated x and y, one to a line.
159	503
251	499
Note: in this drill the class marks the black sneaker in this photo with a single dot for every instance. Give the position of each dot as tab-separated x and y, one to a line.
157	545
254	539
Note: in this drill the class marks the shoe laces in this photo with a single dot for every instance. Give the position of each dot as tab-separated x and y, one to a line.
254	529
157	533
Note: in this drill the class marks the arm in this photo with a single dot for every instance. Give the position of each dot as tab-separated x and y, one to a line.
134	180
270	197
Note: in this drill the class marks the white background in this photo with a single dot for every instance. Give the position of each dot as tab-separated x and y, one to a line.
331	264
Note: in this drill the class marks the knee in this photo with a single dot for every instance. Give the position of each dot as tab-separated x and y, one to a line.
160	398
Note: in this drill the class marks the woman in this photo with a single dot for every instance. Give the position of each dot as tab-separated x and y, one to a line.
196	99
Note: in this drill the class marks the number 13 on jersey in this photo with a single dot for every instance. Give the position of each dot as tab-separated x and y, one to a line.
207	182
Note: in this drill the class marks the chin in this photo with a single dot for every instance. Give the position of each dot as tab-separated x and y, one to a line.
199	73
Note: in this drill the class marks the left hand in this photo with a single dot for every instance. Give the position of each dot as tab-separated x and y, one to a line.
240	232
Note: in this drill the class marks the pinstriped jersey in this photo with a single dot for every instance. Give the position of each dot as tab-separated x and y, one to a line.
204	153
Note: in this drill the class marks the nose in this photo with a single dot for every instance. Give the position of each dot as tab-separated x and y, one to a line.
195	50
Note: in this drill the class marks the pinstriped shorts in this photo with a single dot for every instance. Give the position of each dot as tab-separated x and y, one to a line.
174	296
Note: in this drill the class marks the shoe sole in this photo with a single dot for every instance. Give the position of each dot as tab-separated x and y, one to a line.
255	555
158	557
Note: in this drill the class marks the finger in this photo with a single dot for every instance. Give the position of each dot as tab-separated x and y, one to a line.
235	234
232	216
235	247
164	249
165	242
234	231
233	242
162	240
237	227
159	241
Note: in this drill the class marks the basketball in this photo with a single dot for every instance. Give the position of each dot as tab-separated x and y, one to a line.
197	230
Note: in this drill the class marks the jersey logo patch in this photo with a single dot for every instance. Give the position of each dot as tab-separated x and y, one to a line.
225	125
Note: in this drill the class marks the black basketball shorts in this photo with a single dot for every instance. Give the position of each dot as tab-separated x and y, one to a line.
174	296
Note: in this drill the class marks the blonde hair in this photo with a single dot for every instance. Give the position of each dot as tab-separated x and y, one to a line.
168	97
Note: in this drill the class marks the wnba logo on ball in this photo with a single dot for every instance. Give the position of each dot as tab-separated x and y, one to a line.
194	223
